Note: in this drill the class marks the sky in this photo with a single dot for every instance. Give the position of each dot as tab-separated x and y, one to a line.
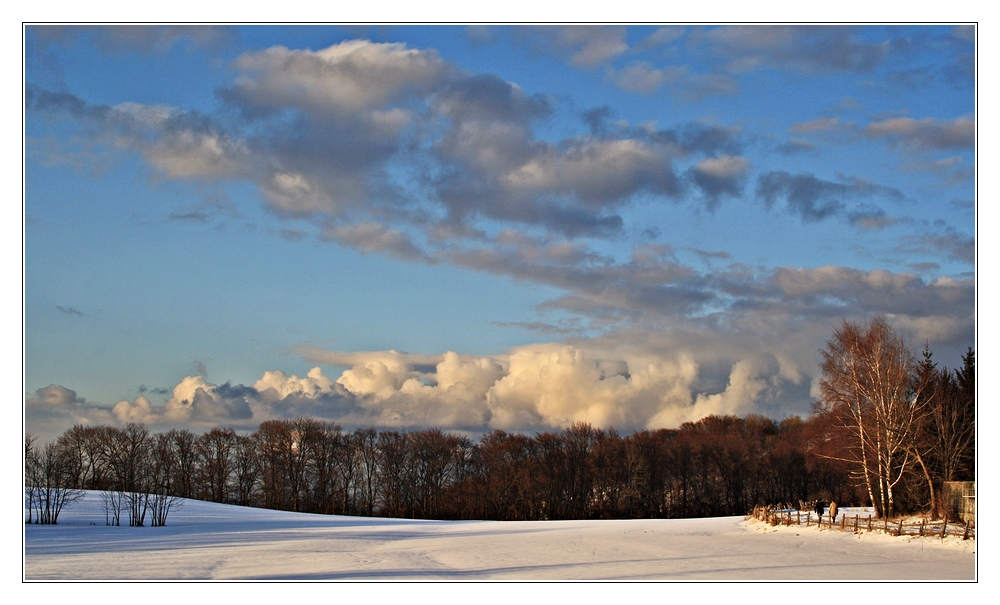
484	227
205	541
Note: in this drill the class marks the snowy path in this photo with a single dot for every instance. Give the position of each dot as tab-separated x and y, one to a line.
205	541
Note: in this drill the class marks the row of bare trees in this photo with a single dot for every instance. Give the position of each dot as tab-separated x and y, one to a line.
716	466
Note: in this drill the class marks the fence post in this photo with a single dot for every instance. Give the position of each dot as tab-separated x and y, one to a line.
798	517
856	517
966	535
843	519
923	522
869	524
944	529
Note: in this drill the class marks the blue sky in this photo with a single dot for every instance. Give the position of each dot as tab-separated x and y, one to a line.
484	227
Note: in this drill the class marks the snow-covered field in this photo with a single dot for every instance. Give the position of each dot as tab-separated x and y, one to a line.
205	541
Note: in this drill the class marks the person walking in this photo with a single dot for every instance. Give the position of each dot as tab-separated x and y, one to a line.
833	512
819	510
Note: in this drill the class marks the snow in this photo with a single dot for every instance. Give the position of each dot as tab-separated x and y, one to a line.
207	541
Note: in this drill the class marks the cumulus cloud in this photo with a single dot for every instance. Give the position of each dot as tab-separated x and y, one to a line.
499	170
142	39
376	238
646	78
663	36
700	138
337	81
925	134
582	45
814	199
597	172
870	219
818	125
176	144
486	97
545	386
806	48
868	292
139	410
696	87
794	145
54	408
643	77
952	169
944	240
720	176
54	396
554	386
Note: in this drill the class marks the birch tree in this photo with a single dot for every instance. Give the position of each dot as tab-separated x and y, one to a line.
867	385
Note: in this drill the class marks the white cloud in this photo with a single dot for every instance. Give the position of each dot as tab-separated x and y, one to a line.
196	155
586	45
140	410
340	80
597	172
643	77
54	396
555	385
926	133
313	385
725	167
376	238
544	386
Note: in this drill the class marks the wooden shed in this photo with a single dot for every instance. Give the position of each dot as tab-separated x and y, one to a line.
959	499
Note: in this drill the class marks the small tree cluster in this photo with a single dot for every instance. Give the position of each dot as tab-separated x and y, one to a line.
905	427
134	469
46	478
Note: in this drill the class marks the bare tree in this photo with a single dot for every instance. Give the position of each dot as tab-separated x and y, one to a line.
162	471
113	502
183	444
216	452
867	380
48	475
366	440
246	471
83	447
395	473
129	452
31	465
283	447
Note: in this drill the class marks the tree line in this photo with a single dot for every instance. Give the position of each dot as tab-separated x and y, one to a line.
847	450
720	465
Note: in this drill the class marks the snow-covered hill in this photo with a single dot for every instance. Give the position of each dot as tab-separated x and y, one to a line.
206	541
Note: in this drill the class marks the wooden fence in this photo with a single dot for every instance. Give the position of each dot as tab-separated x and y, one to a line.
858	523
